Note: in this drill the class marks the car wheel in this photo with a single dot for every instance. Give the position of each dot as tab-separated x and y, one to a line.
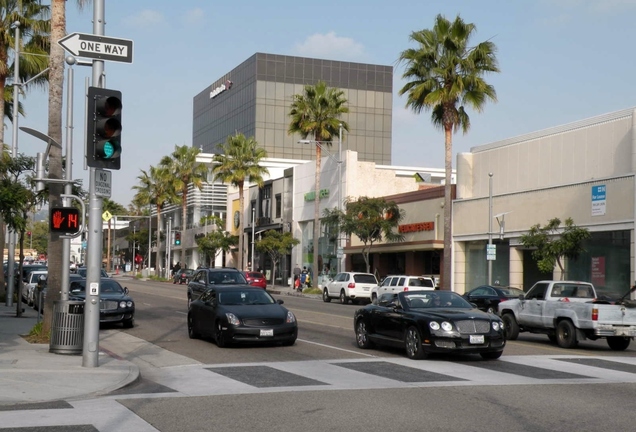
491	355
189	300
325	296
129	323
191	333
219	336
618	343
343	297
566	334
413	344
362	335
511	328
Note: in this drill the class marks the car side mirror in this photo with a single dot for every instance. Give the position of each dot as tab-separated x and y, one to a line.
126	290
473	304
279	301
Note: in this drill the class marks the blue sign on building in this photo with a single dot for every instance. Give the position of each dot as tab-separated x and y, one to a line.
599	195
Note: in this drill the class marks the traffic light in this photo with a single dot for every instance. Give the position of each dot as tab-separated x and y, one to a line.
103	131
177	238
65	220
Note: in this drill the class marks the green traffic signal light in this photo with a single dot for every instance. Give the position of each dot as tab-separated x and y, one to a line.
104	128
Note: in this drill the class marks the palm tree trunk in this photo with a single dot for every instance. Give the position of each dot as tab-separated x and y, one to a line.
184	212
316	270
448	241
56	87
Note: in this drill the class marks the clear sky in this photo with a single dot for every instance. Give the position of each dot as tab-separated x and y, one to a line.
560	60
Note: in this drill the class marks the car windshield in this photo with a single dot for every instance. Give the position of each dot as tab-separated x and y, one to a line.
110	286
435	299
227	278
245	297
511	292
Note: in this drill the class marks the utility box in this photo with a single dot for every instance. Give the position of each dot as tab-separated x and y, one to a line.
67	327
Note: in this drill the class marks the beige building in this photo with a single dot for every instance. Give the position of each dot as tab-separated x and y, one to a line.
582	170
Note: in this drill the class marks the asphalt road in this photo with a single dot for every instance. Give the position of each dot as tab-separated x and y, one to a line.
325	331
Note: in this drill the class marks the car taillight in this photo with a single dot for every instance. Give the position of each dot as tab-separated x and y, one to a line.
594	314
406	288
351	285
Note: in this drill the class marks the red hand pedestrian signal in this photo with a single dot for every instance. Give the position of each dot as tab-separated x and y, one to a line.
65	220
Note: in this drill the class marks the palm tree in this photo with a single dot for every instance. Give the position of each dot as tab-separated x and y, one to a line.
56	89
34	28
316	113
185	171
156	188
446	74
239	160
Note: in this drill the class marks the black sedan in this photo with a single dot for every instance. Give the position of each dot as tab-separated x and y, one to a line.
231	314
115	305
425	322
487	297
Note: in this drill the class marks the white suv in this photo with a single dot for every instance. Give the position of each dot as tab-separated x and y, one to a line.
350	286
396	284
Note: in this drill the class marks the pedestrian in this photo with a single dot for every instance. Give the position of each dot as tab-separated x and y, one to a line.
296	274
304	276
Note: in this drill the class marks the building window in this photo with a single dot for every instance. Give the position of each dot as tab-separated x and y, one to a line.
279	202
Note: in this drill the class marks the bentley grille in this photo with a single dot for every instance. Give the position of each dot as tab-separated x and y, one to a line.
473	326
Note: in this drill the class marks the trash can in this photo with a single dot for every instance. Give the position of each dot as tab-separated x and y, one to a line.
67	327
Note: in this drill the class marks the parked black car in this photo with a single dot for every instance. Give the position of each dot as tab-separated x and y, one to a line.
82	272
40	291
248	314
487	297
425	322
115	305
204	279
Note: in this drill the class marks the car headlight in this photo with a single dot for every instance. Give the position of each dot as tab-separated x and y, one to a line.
129	304
497	325
232	319
434	325
290	318
122	304
446	326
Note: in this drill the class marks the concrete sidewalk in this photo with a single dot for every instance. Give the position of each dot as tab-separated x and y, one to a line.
30	373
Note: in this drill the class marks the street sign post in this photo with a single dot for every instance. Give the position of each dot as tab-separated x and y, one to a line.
98	47
491	252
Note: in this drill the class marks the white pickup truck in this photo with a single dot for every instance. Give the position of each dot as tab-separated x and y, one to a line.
569	311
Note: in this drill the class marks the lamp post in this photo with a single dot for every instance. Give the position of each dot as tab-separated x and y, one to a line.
253	229
339	161
488	252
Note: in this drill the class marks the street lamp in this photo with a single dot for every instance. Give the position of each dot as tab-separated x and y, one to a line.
339	161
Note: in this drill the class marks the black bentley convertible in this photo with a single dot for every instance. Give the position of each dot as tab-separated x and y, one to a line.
425	322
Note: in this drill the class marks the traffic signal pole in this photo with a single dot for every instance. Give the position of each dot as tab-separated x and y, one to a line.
90	350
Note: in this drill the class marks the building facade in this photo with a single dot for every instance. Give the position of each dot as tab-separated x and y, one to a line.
582	170
254	98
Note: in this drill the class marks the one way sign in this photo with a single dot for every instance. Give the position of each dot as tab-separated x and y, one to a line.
98	47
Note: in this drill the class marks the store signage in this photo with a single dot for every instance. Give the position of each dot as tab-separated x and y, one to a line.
220	89
599	197
311	196
415	227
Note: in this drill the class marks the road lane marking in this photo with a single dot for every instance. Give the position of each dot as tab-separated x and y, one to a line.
336	348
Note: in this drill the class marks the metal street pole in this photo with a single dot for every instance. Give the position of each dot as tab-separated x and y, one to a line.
339	254
11	282
68	187
90	351
253	229
169	247
489	227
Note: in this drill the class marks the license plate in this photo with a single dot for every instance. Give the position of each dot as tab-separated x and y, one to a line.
476	339
267	332
367	289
